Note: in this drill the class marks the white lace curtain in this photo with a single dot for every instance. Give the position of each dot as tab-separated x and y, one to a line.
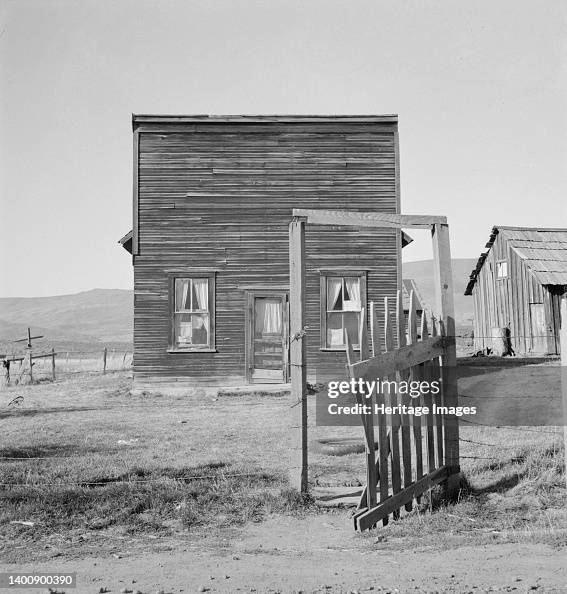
201	287
350	297
268	316
191	325
200	294
182	293
334	288
353	290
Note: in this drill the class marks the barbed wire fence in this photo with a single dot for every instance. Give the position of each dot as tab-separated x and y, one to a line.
32	367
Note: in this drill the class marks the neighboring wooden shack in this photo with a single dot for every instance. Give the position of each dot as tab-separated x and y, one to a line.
517	287
213	198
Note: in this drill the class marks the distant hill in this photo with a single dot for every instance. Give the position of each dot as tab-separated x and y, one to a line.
422	273
104	317
100	317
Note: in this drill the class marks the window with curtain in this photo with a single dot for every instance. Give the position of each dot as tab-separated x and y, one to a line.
341	310
192	313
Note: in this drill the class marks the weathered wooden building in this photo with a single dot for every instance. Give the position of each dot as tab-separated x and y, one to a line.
213	199
517	287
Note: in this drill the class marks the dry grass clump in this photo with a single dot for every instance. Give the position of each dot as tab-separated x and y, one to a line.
212	495
514	492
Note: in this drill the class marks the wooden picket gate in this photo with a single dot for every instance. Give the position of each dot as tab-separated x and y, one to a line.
411	449
400	474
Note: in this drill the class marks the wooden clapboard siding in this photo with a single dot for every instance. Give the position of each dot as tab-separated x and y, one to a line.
502	302
219	195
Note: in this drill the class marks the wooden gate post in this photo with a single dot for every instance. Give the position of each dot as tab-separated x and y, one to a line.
298	371
446	309
563	347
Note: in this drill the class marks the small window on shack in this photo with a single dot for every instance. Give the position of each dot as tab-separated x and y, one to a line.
192	313
343	299
502	269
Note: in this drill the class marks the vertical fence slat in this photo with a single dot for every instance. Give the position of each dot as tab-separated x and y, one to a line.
363	336
404	375
415	375
374	330
368	426
435	370
394	418
428	399
383	441
368	420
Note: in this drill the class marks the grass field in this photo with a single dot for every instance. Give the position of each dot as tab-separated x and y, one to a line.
105	467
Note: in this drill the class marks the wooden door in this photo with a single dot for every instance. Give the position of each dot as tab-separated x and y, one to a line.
267	351
538	328
556	294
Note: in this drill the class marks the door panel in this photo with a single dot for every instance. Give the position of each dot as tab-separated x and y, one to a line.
556	293
267	331
538	328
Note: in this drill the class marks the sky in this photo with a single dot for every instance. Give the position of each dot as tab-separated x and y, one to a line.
480	89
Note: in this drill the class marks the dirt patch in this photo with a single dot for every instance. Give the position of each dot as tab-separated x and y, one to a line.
319	554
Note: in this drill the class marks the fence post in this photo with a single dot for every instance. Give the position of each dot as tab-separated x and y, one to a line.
104	360
31	365
53	364
563	347
298	371
446	309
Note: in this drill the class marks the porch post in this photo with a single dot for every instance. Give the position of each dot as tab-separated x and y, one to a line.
298	371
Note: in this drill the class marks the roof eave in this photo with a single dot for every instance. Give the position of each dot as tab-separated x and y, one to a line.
273	118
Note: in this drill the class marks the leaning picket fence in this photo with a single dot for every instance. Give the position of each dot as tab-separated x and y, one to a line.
414	453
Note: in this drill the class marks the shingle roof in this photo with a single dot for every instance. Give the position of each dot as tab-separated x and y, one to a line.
544	251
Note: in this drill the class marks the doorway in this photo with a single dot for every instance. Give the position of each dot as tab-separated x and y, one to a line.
266	337
538	328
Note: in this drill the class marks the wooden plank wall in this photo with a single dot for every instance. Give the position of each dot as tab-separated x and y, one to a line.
219	196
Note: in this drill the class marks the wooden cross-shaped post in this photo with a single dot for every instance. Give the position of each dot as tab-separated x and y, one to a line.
28	339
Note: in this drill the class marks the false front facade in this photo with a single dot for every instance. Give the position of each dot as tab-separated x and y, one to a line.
213	199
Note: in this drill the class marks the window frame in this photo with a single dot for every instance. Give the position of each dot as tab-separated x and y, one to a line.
498	264
191	274
343	273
